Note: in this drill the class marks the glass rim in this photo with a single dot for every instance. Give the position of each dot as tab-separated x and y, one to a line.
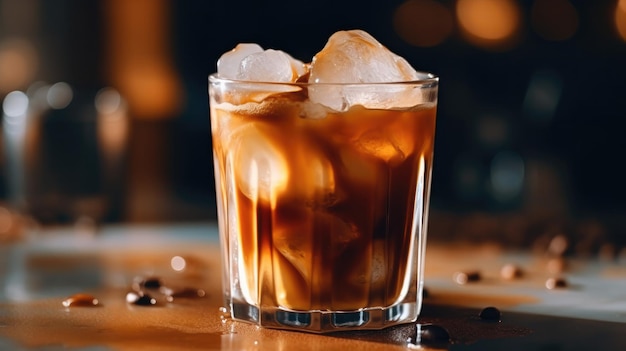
430	79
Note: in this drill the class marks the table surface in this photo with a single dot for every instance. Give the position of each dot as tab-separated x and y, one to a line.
36	275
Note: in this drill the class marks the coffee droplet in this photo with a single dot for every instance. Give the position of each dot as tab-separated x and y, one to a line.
466	277
556	283
435	333
224	313
490	314
81	300
429	335
140	299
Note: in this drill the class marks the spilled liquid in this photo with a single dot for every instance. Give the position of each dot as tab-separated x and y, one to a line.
194	319
196	324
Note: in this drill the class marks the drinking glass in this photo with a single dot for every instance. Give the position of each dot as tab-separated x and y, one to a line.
322	214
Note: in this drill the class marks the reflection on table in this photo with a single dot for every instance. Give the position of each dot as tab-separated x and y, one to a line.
41	271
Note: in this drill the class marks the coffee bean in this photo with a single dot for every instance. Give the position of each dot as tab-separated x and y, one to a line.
140	283
556	283
140	299
511	271
152	283
490	314
81	300
466	277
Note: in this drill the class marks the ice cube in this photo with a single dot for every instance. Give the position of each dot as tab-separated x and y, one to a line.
229	63
358	169
312	110
259	165
389	147
356	57
248	61
296	247
379	265
270	66
296	241
316	180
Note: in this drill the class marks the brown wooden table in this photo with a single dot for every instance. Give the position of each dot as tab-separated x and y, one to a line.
39	275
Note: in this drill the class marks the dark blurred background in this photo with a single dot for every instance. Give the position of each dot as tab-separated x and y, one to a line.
531	120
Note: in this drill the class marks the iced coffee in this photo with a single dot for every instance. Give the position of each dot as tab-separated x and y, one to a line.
323	174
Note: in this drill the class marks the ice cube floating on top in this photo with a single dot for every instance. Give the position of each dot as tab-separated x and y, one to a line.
251	63
335	75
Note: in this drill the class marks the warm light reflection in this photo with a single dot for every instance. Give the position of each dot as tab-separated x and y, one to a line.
113	128
141	64
554	19
178	263
489	23
423	23
6	221
620	19
18	64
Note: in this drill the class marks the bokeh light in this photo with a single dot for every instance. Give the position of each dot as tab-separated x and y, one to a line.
59	95
37	92
139	59
113	127
489	23
18	64
423	23
15	104
178	263
620	19
543	96
554	19
108	101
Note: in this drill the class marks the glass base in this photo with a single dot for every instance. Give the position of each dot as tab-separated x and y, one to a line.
323	321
